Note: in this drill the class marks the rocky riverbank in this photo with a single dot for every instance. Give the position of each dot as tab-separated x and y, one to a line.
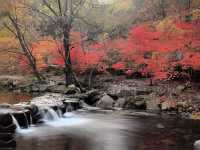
117	92
36	111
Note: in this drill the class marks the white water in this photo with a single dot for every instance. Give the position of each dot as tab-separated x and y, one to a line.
19	130
68	114
68	119
69	108
31	120
49	114
54	119
59	112
16	123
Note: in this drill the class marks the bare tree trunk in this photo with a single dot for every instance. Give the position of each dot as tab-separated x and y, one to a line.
25	48
68	68
162	7
189	4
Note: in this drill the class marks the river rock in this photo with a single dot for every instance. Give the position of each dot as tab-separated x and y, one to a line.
5	105
7	130
136	103
180	88
6	137
23	118
58	89
168	105
91	97
49	99
120	103
8	144
72	89
121	90
141	104
6	123
197	145
106	102
143	91
152	105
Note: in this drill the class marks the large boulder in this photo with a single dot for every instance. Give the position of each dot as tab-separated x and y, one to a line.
197	145
106	102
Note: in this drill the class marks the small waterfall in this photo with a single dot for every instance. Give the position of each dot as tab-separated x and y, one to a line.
31	120
59	112
26	119
69	108
16	123
49	114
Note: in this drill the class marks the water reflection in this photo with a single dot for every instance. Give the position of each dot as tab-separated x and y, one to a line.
84	131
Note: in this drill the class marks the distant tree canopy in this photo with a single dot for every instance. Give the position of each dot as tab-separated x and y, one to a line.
151	37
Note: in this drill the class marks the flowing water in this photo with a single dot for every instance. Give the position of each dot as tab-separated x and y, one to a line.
104	131
108	131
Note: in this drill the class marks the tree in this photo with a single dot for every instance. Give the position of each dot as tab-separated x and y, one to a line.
62	15
15	22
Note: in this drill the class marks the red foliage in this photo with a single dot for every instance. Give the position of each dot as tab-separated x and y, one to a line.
146	50
119	66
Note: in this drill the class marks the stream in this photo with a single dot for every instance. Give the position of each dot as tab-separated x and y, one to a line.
84	130
110	131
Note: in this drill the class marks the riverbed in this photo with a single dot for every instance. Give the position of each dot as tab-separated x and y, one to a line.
110	131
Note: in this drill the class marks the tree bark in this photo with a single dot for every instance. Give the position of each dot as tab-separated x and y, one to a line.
68	68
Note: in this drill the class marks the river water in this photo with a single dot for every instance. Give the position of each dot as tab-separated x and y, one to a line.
110	131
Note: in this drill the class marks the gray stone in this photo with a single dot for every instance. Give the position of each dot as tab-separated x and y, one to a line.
152	105
121	90
180	88
43	88
106	102
120	103
135	103
143	91
35	88
197	145
72	89
168	105
140	105
92	96
58	89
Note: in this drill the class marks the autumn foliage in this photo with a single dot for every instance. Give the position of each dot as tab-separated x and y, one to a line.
151	49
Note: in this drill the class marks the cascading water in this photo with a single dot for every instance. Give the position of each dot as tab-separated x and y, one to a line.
69	108
31	120
59	112
16	123
49	114
26	118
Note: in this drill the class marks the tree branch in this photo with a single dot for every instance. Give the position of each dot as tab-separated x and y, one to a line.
49	7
